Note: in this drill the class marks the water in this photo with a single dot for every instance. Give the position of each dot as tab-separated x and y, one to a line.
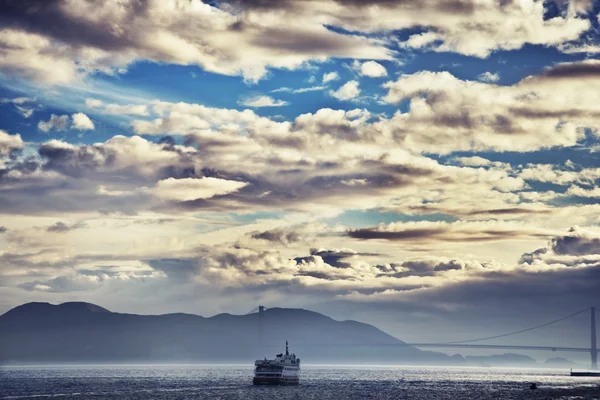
318	382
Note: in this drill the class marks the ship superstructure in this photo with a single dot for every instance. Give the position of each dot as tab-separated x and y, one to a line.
283	370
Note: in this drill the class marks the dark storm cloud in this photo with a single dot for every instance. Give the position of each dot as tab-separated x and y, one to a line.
74	161
167	141
529	258
427	267
278	236
583	69
508	211
300	42
50	18
61	227
402	170
576	245
454	232
299	186
318	275
432	208
116	154
450	6
544	114
575	249
374	233
335	258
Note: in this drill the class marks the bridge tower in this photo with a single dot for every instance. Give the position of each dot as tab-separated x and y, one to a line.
593	348
261	314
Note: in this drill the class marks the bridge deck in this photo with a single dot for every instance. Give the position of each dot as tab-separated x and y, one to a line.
495	346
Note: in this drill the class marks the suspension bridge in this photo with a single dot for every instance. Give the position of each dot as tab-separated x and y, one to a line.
472	343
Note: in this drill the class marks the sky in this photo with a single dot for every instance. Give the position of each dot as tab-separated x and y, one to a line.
428	166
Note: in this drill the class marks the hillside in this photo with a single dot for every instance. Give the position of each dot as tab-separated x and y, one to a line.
82	332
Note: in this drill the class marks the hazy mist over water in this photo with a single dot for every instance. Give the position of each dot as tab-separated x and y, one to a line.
317	382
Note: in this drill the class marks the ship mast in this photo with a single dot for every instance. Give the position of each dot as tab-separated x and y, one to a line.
287	353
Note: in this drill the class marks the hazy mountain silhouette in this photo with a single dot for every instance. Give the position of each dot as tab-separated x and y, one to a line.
82	332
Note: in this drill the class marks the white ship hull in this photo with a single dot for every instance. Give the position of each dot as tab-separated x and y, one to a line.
288	376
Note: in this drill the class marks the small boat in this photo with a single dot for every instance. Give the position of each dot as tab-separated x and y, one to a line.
283	370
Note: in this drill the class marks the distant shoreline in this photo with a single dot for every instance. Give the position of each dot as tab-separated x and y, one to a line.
308	365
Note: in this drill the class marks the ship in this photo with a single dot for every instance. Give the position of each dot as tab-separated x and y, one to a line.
283	370
584	373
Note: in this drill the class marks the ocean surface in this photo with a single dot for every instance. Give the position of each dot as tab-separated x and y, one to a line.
317	382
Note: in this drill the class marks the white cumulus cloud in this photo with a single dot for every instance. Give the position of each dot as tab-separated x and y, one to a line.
56	122
188	189
489	77
349	91
263	101
372	69
330	76
82	122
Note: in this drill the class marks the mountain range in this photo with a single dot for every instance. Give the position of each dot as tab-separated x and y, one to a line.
87	333
79	332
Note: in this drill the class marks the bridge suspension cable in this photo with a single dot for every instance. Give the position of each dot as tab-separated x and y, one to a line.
256	309
520	331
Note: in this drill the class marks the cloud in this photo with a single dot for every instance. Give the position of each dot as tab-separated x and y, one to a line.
348	91
128	109
451	31
20	104
578	248
300	90
372	69
18	100
467	115
460	231
489	77
82	122
263	101
78	121
278	235
93	103
25	112
560	175
445	114
326	161
415	283
474	161
581	192
9	142
449	24
85	280
330	77
185	33
193	188
578	70
132	155
117	109
56	122
61	227
576	243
